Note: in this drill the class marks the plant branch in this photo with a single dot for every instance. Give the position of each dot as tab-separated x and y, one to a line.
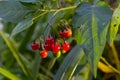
53	10
61	9
115	70
115	54
37	17
116	58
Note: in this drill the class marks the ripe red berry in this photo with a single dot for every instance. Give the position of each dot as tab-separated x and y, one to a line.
66	33
43	54
66	46
55	48
49	40
35	46
47	47
62	34
69	33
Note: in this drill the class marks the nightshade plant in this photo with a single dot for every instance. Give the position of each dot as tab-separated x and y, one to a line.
82	29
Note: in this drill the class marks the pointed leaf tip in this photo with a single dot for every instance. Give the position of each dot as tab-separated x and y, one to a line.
95	22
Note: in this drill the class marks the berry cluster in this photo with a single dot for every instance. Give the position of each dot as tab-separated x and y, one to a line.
52	45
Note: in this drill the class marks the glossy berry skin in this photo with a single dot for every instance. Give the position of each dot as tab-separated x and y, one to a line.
62	34
35	46
43	54
47	47
68	33
66	46
49	40
55	48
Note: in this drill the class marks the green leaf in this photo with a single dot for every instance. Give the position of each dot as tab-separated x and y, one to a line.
95	1
117	38
8	74
43	77
21	26
13	11
83	73
36	66
16	54
28	1
92	21
69	64
115	22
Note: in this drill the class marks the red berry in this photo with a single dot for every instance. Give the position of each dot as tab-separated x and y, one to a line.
69	33
55	48
35	46
66	46
62	34
66	33
47	47
49	40
43	54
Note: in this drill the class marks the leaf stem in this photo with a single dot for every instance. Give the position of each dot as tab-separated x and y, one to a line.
53	10
115	54
37	17
61	9
115	70
116	58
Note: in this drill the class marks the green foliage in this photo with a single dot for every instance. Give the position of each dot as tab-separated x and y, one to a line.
8	74
69	64
115	22
29	1
93	22
13	11
21	26
15	54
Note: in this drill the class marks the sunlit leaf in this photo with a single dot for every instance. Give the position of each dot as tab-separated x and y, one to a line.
8	74
93	23
115	22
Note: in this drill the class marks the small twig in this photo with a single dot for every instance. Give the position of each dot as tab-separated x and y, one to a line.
37	17
115	70
53	10
116	58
